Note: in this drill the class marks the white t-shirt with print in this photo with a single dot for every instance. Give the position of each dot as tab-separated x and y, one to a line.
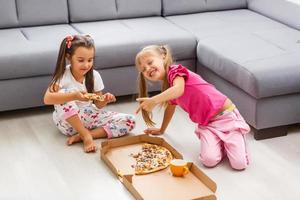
69	82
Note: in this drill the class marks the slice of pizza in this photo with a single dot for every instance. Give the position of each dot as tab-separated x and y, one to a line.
152	158
94	97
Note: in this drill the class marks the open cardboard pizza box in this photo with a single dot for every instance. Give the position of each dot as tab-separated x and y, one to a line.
158	185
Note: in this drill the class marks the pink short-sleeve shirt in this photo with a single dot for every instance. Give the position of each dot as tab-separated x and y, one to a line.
200	99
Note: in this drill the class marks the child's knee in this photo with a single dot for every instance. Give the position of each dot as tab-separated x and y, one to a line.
66	110
115	132
69	114
239	164
210	160
121	126
128	121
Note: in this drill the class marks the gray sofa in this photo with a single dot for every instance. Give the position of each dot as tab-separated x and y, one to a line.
249	50
252	54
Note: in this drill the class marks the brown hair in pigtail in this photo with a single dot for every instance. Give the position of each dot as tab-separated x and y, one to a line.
89	81
60	65
67	48
88	42
168	60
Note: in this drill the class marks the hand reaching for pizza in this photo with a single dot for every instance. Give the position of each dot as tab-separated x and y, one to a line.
153	131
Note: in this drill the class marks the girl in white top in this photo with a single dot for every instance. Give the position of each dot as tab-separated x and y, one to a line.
74	115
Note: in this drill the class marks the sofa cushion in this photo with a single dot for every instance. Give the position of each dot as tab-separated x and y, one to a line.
233	44
118	41
210	24
8	14
277	75
286	38
261	67
107	9
36	52
138	8
42	12
98	10
241	46
281	10
177	7
212	5
52	34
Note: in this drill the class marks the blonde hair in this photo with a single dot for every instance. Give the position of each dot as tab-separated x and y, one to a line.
155	50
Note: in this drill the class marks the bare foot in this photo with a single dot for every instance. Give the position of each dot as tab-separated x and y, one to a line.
73	139
88	144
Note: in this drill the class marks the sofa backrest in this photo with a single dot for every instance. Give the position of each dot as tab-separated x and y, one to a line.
14	13
42	12
97	10
281	10
177	7
8	14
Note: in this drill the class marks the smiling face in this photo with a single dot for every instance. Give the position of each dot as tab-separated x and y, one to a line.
81	62
151	65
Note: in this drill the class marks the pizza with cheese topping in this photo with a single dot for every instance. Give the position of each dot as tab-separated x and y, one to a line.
152	158
95	97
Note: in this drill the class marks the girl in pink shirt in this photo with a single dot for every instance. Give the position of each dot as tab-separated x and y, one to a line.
221	128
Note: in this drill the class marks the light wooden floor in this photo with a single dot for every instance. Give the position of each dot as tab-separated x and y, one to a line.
36	164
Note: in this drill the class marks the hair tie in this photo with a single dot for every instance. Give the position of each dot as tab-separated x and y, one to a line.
162	47
69	39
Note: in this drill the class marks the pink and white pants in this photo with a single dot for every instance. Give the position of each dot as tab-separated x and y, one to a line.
224	135
115	124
